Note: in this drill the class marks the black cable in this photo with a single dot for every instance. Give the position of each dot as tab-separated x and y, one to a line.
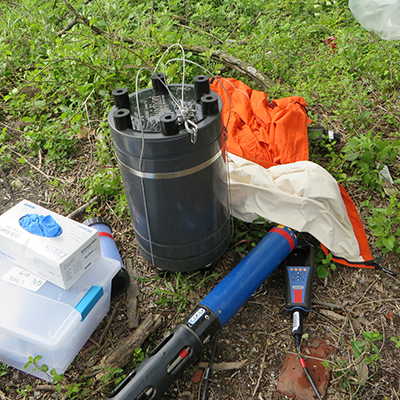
376	265
297	342
209	368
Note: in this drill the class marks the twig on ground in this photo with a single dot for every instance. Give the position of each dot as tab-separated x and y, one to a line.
11	128
81	209
262	366
3	397
37	169
310	357
330	305
98	31
383	333
274	333
375	301
45	388
40	152
110	320
332	315
132	297
121	356
239	65
369	287
80	17
224	366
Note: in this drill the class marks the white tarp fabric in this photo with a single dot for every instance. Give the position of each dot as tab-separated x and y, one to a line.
300	195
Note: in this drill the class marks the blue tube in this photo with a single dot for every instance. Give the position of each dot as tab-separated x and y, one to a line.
236	288
109	249
107	244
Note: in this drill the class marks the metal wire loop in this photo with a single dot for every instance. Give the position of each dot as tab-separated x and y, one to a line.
191	128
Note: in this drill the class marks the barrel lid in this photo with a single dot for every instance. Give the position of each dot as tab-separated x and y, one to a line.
152	107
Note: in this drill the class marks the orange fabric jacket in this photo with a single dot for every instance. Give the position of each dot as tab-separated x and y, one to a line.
274	133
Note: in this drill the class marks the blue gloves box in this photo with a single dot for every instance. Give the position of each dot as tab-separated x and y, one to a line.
53	247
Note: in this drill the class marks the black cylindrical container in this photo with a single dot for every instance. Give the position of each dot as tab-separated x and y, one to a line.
175	181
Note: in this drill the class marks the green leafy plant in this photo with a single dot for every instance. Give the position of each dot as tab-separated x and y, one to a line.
51	136
246	235
385	225
52	374
365	152
80	389
138	356
366	358
5	156
396	340
367	350
324	264
76	390
112	375
106	182
326	151
180	288
3	369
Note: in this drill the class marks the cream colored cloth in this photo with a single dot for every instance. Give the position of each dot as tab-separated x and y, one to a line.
300	195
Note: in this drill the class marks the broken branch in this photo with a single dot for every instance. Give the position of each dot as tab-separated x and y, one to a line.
122	355
69	26
232	62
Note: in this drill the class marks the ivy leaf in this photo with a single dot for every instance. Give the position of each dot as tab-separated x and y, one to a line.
358	347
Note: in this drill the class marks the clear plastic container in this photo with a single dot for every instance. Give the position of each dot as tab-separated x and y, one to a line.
52	322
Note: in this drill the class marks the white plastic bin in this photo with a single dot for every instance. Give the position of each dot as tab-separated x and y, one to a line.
52	322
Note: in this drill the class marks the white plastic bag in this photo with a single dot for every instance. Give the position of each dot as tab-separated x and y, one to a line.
379	16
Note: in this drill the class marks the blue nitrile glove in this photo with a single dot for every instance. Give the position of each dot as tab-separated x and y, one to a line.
41	225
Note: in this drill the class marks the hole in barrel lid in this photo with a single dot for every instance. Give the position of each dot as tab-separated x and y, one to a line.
168	116
202	77
120	90
121	112
209	97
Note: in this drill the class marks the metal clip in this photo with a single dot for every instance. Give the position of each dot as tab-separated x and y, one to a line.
191	128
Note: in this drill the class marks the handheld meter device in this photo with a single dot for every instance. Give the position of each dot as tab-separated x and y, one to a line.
299	275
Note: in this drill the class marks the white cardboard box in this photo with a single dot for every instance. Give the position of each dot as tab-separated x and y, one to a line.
61	260
45	320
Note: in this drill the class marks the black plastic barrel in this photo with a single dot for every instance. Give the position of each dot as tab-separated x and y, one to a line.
175	181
